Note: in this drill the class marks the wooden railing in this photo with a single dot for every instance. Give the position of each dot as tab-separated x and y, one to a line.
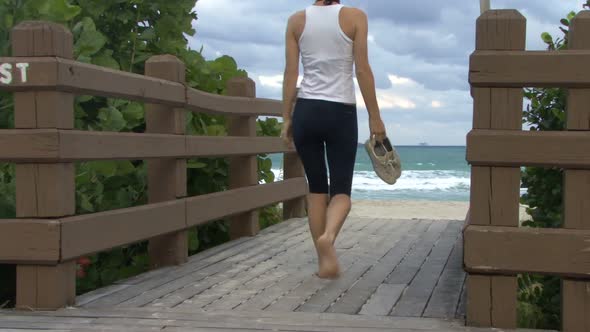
496	248
47	236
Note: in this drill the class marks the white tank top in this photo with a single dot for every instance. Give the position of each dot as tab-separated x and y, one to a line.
327	57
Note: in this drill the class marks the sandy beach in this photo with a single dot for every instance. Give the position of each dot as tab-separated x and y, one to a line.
414	209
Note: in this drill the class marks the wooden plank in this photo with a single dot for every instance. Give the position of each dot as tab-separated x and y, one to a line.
65	75
353	300
171	284
29	241
576	305
383	300
51	145
293	168
482	110
576	293
530	148
243	171
270	320
53	40
415	298
86	234
44	109
495	30
462	307
180	290
44	190
286	285
291	300
167	178
201	209
203	146
501	250
517	69
203	102
246	284
446	295
315	295
504	304
45	287
405	271
479	301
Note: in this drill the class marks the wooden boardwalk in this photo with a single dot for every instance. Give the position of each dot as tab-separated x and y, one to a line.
398	275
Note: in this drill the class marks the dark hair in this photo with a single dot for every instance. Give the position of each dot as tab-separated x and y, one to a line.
329	2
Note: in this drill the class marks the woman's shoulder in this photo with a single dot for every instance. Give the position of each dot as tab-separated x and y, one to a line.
353	12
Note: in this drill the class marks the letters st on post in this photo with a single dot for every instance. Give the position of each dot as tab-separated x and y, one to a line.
13	73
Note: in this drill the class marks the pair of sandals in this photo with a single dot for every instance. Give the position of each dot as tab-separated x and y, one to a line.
386	161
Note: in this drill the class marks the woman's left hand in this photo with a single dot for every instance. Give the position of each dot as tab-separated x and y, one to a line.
287	133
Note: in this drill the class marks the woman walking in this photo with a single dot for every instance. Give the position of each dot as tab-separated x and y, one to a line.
330	39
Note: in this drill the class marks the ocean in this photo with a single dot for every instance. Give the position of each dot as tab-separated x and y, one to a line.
434	173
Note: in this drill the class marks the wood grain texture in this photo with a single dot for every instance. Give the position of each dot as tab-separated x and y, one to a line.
44	190
167	177
87	234
517	69
519	148
495	191
576	293
243	171
293	168
30	241
236	201
502	250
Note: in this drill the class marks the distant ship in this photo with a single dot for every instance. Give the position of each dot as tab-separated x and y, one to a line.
423	144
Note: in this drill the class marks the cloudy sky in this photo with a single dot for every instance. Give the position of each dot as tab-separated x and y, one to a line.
418	50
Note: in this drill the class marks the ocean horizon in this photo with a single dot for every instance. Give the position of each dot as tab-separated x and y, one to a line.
429	172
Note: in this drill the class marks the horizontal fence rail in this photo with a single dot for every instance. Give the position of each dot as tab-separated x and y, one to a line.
47	235
53	241
54	145
63	75
512	148
496	248
516	69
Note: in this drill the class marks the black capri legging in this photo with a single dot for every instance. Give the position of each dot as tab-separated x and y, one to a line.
329	128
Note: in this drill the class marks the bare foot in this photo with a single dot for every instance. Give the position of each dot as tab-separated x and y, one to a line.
329	268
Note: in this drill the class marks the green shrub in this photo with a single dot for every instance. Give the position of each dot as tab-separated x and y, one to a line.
122	35
540	296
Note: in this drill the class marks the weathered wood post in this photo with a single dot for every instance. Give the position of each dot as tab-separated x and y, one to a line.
576	294
166	177
495	191
243	170
44	190
293	168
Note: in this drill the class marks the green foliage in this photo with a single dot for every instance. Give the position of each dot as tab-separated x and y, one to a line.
122	35
540	296
539	300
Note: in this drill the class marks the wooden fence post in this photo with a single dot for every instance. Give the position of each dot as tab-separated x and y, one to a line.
167	178
44	190
293	168
576	294
243	170
495	191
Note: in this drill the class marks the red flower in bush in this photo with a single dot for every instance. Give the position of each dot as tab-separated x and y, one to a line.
84	261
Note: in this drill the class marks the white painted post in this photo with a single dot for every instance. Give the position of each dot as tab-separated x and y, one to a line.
484	5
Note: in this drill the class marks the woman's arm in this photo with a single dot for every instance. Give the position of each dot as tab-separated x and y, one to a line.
291	68
365	76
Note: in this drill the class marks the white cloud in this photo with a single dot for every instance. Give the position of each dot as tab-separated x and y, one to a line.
398	80
420	57
436	104
275	81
